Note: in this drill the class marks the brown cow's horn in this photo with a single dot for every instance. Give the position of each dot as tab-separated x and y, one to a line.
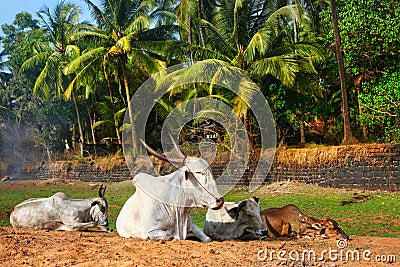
181	162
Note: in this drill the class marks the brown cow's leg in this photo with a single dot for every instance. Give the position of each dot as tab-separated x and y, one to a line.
285	229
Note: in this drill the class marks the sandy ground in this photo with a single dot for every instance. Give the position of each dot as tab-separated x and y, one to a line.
21	247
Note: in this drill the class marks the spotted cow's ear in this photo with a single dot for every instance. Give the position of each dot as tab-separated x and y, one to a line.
233	213
317	226
95	203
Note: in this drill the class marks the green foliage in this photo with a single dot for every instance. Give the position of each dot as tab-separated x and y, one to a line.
370	34
380	101
19	37
52	123
286	49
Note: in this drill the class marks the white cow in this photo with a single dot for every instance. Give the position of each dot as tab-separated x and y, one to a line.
235	220
159	209
59	212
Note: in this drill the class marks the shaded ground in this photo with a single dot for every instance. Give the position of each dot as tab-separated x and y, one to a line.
42	248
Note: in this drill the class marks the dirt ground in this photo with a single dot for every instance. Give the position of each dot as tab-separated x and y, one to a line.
21	247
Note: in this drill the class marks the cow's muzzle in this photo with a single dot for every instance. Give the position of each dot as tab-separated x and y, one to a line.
262	232
220	203
105	224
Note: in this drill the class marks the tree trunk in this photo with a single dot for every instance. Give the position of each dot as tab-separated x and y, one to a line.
90	121
118	135
348	138
78	117
360	110
301	122
130	108
190	38
302	133
199	7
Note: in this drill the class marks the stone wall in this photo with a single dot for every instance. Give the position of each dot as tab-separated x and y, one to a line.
366	167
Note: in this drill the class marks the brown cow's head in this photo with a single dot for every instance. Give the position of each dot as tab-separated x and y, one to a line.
331	229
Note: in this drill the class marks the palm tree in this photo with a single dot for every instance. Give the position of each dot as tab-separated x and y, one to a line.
348	138
55	54
250	36
110	117
123	43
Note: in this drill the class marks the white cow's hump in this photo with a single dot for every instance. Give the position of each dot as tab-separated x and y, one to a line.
221	215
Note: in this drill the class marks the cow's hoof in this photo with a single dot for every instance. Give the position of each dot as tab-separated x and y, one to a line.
207	239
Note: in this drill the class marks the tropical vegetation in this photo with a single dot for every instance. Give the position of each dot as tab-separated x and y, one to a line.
68	81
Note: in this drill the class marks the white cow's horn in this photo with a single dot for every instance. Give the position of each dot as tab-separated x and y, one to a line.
181	162
176	146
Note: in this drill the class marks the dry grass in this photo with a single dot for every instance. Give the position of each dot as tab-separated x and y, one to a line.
109	163
337	156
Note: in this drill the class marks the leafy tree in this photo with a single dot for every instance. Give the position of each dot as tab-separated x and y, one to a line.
5	73
253	36
51	126
380	101
19	38
370	36
348	135
371	46
54	53
111	117
123	43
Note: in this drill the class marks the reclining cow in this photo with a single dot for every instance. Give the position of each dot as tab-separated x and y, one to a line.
239	220
289	221
159	208
59	212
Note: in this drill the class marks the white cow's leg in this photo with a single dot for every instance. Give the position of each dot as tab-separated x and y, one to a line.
160	235
194	230
81	226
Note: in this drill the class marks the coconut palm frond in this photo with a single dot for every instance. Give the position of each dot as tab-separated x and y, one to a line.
139	24
35	61
83	60
284	69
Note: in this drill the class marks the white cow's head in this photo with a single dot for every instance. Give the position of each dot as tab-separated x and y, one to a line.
195	176
99	209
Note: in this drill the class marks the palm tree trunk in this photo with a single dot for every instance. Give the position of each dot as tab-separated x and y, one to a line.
301	122
199	17
78	117
348	138
90	121
130	109
118	135
190	38
357	85
302	133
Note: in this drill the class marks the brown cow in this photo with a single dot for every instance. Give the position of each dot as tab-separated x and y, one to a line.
289	221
